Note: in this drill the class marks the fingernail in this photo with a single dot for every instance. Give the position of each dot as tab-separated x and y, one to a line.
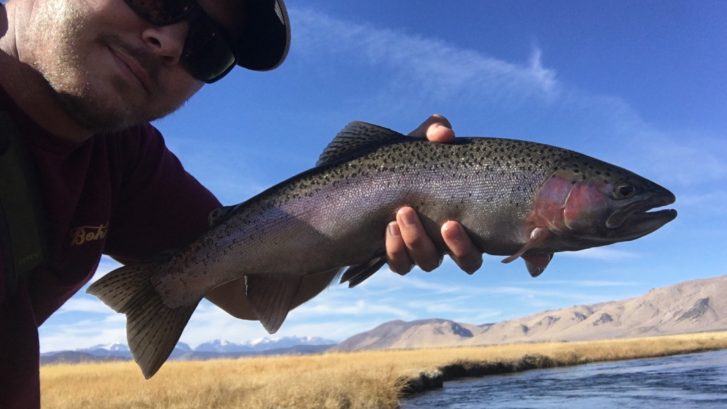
394	229
408	217
451	231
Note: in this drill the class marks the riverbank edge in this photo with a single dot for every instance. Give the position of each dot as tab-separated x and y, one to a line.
434	379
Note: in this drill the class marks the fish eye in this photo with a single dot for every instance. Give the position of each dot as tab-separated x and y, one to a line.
624	191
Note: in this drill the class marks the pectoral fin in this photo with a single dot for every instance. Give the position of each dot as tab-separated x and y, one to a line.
355	275
272	297
537	263
537	237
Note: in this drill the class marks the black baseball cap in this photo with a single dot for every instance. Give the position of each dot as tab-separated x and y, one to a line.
264	43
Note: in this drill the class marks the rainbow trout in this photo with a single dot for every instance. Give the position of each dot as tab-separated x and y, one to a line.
515	198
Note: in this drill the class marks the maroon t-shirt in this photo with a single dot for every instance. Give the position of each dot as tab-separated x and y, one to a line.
123	194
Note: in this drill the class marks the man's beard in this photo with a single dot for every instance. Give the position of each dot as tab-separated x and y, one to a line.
90	108
72	84
92	112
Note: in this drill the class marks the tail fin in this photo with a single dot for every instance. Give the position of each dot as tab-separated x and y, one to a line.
152	328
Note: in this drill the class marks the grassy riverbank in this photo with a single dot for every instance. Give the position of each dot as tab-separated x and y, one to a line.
376	379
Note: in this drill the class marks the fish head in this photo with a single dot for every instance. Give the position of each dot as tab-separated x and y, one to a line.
600	205
620	211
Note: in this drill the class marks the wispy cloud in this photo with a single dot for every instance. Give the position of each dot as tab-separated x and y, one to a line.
417	62
352	308
106	265
420	68
601	254
546	78
712	202
109	329
689	159
591	283
82	304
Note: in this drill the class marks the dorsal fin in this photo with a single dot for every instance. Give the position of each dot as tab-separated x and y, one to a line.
354	136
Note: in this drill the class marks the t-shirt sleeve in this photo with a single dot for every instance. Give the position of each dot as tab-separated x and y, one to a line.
157	205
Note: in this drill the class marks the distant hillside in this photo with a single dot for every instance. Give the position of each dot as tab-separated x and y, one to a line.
693	306
74	357
400	334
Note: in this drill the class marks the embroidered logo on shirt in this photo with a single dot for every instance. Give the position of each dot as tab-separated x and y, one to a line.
84	234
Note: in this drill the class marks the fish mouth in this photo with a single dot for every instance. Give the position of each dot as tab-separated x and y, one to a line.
642	217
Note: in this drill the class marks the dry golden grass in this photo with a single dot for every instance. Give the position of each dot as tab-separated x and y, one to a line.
334	380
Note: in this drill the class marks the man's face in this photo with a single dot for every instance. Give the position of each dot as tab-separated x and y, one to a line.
109	67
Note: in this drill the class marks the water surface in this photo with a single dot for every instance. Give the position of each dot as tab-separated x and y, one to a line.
678	382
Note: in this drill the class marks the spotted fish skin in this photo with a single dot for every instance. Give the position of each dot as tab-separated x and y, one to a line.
514	198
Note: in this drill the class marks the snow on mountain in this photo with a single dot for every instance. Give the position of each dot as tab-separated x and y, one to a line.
268	343
109	347
107	351
222	347
259	344
207	350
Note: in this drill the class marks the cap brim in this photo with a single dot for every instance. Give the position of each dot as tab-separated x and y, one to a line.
264	43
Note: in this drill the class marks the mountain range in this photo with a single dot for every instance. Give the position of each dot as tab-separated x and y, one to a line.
692	306
208	350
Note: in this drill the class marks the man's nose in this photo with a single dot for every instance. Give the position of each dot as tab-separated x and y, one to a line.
167	41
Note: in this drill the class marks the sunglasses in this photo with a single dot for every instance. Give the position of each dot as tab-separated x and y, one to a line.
207	54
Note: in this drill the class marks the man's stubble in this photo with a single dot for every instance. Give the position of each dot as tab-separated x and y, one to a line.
58	30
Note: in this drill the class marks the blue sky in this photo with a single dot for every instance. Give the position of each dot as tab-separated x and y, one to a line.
638	84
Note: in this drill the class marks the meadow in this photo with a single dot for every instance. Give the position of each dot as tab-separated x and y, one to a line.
372	379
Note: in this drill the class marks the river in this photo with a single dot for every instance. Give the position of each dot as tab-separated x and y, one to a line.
676	382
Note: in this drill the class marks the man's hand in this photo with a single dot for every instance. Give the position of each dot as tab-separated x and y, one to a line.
407	242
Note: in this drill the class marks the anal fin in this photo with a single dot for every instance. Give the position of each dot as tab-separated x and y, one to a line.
272	296
536	263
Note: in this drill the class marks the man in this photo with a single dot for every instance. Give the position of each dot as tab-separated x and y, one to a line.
79	80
